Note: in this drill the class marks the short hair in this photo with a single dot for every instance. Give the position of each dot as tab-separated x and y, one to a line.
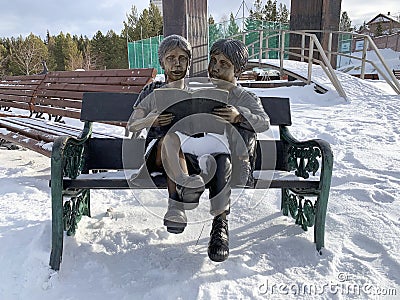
234	50
171	42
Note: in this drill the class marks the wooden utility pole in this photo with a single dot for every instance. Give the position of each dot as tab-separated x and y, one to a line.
188	18
323	15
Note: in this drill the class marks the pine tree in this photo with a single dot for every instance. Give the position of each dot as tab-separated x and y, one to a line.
345	22
143	26
252	24
213	32
258	11
98	49
3	55
116	52
51	47
130	23
282	14
233	28
269	11
73	57
156	21
379	30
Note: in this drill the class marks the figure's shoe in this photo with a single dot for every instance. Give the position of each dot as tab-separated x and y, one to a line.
218	247
189	189
175	217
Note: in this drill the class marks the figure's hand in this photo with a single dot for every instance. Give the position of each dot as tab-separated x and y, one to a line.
163	120
229	113
139	121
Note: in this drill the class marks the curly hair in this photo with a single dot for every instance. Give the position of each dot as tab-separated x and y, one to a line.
234	50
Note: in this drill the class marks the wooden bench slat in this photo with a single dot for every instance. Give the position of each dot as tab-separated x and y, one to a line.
16	98
119	180
24	77
21	105
17	124
120	80
93	88
63	128
21	82
145	72
17	86
396	74
123	184
26	142
59	94
58	111
47	132
64	103
28	131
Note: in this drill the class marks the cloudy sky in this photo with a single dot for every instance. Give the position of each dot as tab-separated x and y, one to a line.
86	17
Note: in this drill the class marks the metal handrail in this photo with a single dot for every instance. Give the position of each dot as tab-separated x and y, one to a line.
325	55
314	46
367	43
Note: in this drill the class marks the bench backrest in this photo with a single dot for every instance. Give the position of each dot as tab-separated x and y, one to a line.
128	153
97	107
396	73
63	91
18	91
60	93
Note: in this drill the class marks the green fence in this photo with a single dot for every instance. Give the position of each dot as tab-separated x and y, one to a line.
144	53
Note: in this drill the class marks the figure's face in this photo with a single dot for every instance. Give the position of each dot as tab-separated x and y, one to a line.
220	67
175	64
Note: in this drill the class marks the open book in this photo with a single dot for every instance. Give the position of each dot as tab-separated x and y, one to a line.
192	110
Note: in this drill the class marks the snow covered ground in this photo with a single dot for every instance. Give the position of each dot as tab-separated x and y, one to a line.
353	66
128	254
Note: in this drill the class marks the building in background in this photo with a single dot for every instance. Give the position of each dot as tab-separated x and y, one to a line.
383	24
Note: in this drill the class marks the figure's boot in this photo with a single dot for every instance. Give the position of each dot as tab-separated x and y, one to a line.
189	190
218	247
175	217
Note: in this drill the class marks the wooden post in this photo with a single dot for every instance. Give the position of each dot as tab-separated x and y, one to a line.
188	18
322	15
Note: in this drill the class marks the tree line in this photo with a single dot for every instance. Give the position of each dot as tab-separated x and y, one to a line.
261	16
65	52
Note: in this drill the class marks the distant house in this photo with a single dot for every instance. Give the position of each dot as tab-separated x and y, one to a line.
383	24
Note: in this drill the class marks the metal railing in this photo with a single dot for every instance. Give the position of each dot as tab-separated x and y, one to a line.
361	43
312	52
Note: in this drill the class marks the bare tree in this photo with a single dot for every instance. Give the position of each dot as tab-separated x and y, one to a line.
27	54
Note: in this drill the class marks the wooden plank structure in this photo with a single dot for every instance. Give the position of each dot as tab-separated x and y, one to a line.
57	94
189	19
322	15
397	74
19	91
300	169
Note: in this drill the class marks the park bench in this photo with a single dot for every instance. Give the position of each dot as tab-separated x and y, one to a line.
396	73
26	101
371	76
300	169
248	75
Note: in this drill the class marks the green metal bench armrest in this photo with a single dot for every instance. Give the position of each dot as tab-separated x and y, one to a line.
68	153
302	157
